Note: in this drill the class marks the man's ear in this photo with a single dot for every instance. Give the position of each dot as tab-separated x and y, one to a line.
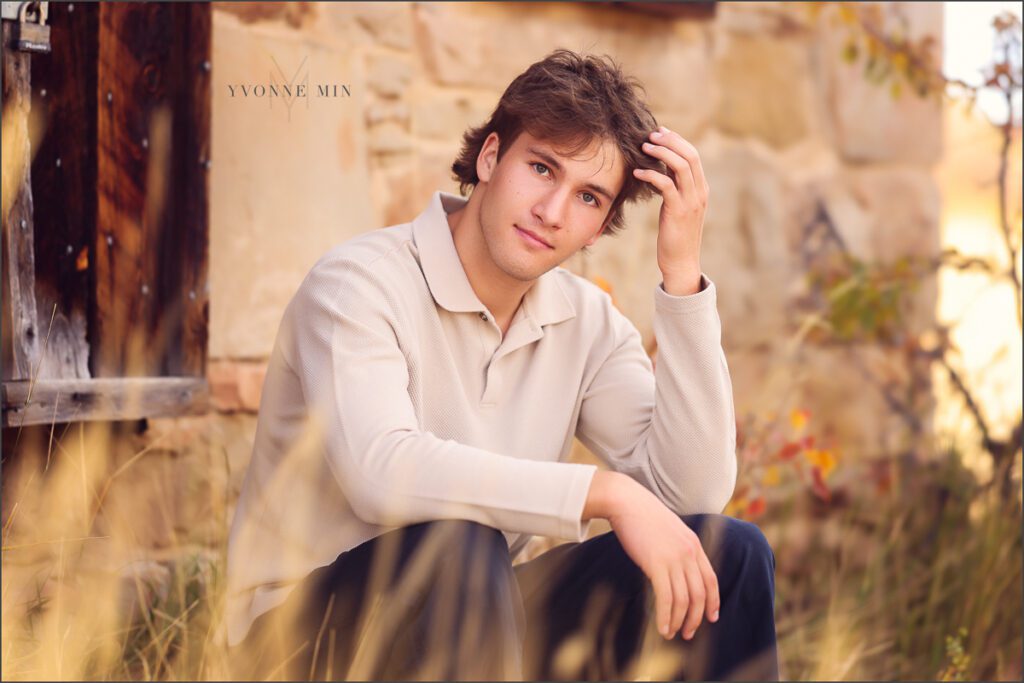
488	157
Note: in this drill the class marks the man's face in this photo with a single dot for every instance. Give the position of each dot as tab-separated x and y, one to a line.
563	201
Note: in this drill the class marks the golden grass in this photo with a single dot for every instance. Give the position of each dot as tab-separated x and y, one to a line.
920	581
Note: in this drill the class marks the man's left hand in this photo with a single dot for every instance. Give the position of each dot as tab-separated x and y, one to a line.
684	193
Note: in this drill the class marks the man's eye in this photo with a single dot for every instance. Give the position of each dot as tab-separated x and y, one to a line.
537	165
587	194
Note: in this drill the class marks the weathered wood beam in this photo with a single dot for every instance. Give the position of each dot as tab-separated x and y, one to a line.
46	401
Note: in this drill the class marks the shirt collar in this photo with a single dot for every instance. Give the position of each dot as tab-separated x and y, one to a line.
545	302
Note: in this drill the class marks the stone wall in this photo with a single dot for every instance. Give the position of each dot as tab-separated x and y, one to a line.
783	125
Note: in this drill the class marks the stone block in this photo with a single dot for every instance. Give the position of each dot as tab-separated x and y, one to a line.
386	111
764	88
458	45
776	19
250	385
446	115
744	249
885	213
295	15
221	376
389	138
388	75
433	172
372	23
468	45
673	62
236	385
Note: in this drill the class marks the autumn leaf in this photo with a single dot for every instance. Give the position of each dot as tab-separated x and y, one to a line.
735	507
789	450
823	460
798	419
771	476
818	485
756	507
900	62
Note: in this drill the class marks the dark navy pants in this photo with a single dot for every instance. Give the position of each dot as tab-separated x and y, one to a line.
442	600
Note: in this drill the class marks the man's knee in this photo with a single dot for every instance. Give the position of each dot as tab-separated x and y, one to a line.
457	548
466	604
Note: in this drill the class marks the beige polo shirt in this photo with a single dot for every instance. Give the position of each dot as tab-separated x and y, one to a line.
392	398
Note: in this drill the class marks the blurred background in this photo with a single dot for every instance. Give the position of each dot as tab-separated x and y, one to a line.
167	184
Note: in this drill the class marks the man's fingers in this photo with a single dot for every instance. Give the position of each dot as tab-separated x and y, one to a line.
679	165
685	149
680	599
662	600
665	186
695	585
714	600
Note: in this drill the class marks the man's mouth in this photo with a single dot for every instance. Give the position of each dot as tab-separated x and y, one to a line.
532	238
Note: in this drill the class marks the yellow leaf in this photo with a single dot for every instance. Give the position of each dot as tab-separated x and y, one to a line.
823	459
900	62
771	476
735	505
798	419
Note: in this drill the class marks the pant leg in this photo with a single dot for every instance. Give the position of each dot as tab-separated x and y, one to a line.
436	600
589	609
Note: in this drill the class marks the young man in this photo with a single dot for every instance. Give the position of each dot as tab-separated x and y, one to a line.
421	401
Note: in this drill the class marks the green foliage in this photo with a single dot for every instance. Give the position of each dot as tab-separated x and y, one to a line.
865	301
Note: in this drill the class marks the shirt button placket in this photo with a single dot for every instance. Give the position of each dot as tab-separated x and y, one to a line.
487	401
492	386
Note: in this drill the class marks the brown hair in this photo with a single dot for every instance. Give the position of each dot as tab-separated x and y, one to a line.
570	99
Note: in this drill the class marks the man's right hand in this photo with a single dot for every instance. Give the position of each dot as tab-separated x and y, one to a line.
665	549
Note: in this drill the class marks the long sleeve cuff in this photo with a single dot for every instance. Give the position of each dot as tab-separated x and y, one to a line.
707	297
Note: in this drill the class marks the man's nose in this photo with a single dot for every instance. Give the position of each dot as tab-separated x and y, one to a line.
550	209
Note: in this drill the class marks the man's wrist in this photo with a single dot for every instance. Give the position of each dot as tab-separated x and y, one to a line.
605	495
682	283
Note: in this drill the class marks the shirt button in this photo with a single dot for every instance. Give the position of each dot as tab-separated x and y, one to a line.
483	316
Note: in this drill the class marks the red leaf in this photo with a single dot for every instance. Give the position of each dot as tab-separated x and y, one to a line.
807	441
818	485
756	507
789	450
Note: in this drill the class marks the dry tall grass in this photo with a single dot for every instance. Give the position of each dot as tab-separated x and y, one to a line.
918	577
